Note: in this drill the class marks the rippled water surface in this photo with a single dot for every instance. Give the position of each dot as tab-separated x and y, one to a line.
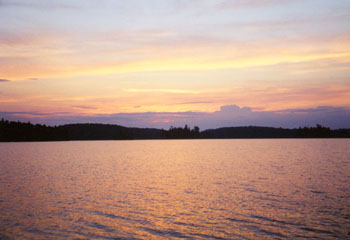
195	189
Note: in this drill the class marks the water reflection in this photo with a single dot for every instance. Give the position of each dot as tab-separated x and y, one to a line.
197	189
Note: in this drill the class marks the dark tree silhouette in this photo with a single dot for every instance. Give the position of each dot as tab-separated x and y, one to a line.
18	131
181	133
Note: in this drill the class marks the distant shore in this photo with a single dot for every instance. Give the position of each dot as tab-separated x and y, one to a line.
11	131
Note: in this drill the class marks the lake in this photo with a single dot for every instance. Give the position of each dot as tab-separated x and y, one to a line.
176	189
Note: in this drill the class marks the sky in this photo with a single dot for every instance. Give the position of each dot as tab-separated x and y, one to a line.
162	63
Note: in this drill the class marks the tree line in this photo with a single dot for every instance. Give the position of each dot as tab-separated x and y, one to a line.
20	131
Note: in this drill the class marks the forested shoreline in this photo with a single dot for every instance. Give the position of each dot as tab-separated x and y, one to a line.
11	131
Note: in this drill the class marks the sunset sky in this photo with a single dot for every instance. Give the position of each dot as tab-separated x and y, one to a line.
156	63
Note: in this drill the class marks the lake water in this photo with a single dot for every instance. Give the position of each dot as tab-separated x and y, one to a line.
172	189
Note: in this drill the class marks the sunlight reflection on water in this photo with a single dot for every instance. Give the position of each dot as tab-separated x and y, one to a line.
196	189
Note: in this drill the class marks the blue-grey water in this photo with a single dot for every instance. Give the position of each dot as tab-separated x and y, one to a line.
176	189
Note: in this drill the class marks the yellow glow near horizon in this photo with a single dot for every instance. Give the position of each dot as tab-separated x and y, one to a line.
200	60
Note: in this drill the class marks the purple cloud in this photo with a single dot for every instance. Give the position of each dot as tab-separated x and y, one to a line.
84	107
227	116
334	117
